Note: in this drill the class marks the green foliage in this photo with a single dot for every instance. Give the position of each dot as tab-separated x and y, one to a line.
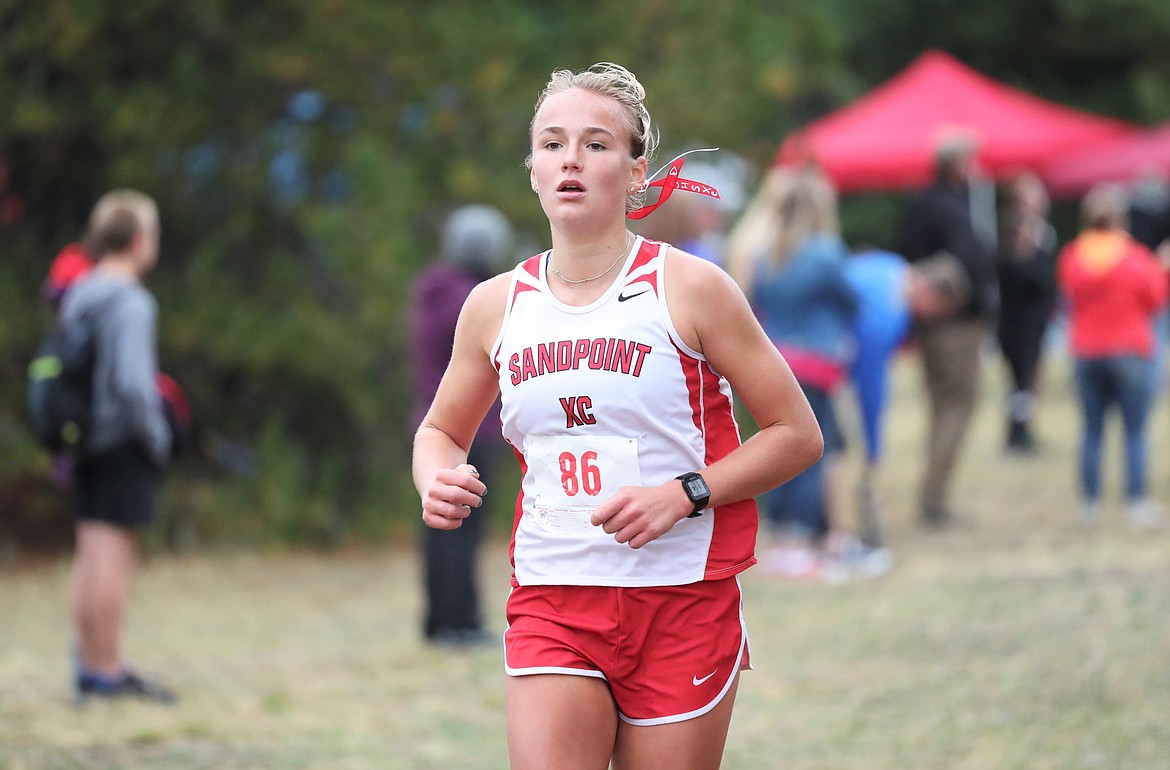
282	306
1102	56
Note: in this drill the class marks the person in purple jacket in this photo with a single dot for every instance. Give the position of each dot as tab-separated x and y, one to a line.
476	240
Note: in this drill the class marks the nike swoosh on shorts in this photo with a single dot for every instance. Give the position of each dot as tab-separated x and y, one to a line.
696	681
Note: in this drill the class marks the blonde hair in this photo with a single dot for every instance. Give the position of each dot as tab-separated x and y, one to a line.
791	205
808	207
117	218
621	85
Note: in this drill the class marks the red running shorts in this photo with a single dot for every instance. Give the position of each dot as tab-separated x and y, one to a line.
668	653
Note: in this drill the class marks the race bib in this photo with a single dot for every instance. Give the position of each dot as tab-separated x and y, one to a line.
575	474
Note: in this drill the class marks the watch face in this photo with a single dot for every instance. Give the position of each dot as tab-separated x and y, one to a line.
697	488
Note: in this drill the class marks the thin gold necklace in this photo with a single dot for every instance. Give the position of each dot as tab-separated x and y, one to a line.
625	250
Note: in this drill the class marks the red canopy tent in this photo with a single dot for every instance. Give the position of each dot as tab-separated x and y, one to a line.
1122	159
887	139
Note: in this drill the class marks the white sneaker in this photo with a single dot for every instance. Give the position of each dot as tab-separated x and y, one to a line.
852	558
1144	513
1090	513
793	561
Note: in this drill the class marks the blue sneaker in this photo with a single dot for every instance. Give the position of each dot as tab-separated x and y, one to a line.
129	685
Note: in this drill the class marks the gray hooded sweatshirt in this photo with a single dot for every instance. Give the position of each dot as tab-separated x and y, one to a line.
127	406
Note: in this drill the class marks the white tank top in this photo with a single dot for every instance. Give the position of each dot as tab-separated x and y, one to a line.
599	397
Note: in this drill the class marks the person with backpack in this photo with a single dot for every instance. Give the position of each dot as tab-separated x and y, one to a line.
127	443
59	376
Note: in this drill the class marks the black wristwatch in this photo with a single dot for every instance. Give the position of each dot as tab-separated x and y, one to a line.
697	491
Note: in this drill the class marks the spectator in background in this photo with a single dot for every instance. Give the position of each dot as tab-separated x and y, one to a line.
1026	262
475	242
1149	223
710	218
756	227
1114	288
1149	210
939	219
790	260
70	265
116	480
891	294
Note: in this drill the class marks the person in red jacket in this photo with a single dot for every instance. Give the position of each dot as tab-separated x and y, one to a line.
1114	287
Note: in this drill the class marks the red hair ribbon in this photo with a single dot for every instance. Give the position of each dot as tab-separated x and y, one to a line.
672	181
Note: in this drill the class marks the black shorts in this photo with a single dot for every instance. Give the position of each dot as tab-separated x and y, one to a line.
118	487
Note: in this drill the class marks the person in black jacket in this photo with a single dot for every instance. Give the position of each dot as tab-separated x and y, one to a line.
1027	292
940	220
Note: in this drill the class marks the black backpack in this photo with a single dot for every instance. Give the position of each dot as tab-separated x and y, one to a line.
60	385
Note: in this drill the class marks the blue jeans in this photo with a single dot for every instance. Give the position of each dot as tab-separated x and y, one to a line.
1161	351
799	505
1127	382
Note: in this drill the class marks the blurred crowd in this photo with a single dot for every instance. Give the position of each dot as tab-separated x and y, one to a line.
962	281
967	281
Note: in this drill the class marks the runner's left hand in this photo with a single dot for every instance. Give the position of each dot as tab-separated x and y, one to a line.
639	515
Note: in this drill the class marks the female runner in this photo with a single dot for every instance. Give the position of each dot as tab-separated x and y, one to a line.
615	359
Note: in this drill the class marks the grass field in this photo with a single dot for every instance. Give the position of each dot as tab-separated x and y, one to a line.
1015	639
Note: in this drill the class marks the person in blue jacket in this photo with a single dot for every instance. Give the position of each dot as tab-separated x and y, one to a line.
789	258
891	294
